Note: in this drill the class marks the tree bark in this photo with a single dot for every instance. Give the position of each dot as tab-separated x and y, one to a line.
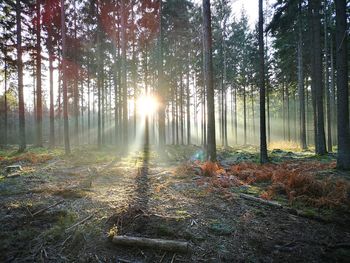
263	146
22	135
208	69
52	111
161	88
320	136
123	75
65	97
39	108
301	93
343	159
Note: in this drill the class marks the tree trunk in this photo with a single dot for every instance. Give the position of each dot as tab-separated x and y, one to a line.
208	69
65	97
301	84
39	109
343	159
123	75
188	108
75	83
52	111
5	102
22	135
161	88
326	77
263	146
320	137
245	115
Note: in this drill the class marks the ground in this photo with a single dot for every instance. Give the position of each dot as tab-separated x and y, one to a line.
96	194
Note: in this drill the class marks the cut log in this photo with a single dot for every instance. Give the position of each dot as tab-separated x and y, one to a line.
12	168
260	200
169	245
284	208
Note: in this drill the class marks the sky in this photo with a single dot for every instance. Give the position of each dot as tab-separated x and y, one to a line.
251	8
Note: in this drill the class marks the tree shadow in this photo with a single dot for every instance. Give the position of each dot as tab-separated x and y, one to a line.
142	181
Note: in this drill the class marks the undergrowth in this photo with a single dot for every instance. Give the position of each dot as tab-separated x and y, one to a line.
295	179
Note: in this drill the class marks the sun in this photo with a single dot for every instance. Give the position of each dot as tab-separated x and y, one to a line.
147	105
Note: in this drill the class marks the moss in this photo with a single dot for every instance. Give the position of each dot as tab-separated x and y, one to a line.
221	229
164	230
57	231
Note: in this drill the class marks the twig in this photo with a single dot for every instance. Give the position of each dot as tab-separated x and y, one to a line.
172	260
29	211
46	208
161	259
78	223
64	242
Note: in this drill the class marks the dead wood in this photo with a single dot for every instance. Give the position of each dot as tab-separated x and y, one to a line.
47	208
80	222
284	208
260	200
169	245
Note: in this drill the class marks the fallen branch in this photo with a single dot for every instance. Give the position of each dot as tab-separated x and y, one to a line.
260	200
286	209
80	222
170	245
47	208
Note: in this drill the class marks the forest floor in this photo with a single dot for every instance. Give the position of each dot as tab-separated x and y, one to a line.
96	194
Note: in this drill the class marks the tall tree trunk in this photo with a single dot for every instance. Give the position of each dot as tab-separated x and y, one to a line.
188	108
5	102
301	93
245	115
343	159
326	77
75	83
181	110
60	91
64	80
161	88
123	75
39	113
208	69
320	139
52	111
89	102
253	112
333	95
235	115
22	135
263	146
288	112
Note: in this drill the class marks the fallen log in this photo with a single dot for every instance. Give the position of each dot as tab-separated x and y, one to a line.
169	245
260	200
284	208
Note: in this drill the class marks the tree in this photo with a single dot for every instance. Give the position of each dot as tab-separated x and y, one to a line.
64	80
39	107
124	73
317	77
161	88
22	135
343	159
301	82
208	74
263	146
